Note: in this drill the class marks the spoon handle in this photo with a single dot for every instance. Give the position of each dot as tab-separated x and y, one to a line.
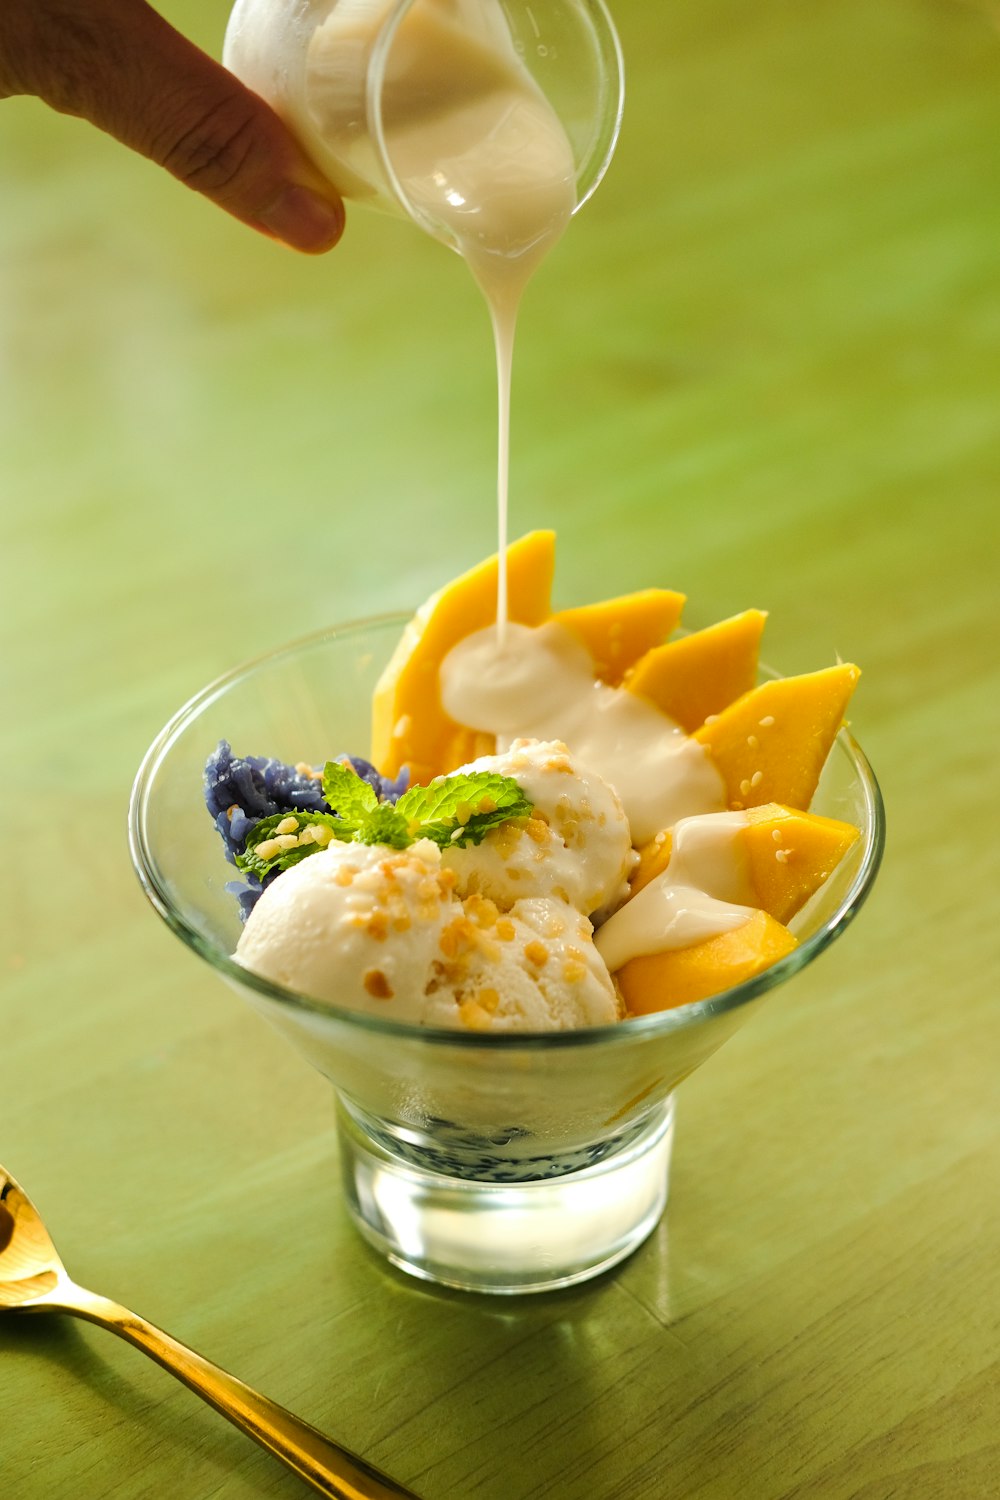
332	1470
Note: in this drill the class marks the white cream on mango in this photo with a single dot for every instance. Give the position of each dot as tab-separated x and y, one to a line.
539	683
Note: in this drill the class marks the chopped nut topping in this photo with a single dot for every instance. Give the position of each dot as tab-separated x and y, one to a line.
377	985
474	1017
458	937
482	910
377	925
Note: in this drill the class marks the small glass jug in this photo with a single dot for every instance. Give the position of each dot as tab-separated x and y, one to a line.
479	119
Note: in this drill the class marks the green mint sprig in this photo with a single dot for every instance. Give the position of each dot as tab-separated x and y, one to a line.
463	809
287	851
450	810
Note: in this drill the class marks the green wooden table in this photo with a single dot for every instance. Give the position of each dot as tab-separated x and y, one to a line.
764	367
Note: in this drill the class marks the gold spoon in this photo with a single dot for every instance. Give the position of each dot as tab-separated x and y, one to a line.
33	1279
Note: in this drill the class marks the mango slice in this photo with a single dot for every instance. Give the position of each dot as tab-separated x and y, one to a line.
660	981
409	726
654	858
790	854
770	745
618	632
786	854
701	673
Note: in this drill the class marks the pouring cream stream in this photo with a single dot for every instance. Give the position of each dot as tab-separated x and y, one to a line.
474	150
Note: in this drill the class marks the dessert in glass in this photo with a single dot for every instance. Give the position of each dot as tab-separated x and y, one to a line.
502	1024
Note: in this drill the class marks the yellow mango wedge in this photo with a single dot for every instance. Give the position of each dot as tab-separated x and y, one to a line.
791	854
660	981
654	858
618	632
770	745
409	726
785	854
701	673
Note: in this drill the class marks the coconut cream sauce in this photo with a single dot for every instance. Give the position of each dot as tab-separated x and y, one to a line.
478	150
704	891
538	683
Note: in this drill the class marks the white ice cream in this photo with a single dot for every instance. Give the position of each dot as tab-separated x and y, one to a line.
576	847
355	925
407	936
534	968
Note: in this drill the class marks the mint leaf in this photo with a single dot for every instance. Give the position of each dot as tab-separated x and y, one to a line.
252	862
463	809
451	810
350	796
385	825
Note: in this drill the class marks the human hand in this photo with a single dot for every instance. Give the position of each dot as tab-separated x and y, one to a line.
120	65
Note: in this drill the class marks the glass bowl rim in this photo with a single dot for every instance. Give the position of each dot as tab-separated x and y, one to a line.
620	1033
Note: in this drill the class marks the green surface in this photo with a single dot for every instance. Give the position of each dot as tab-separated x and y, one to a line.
763	368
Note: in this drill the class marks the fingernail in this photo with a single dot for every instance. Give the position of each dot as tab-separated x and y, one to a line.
304	219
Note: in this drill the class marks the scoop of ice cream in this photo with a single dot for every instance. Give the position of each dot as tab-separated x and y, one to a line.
382	931
576	847
355	925
534	968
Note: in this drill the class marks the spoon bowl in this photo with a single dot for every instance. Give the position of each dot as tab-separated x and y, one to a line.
34	1279
30	1268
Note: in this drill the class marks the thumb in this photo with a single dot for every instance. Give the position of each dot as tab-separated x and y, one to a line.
120	65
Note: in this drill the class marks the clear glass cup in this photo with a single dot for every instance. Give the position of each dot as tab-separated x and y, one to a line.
349	75
506	1163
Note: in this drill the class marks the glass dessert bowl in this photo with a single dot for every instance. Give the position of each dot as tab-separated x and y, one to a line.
498	1163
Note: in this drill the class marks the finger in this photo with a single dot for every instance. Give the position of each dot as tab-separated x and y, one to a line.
120	65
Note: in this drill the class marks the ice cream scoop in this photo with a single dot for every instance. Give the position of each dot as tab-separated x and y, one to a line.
356	925
577	846
534	968
385	931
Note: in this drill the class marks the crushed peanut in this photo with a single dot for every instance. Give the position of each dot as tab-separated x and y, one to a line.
377	985
377	925
574	969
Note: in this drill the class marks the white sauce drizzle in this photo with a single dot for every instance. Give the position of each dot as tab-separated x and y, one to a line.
483	154
704	891
539	684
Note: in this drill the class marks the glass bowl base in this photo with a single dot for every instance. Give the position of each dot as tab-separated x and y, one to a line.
527	1236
